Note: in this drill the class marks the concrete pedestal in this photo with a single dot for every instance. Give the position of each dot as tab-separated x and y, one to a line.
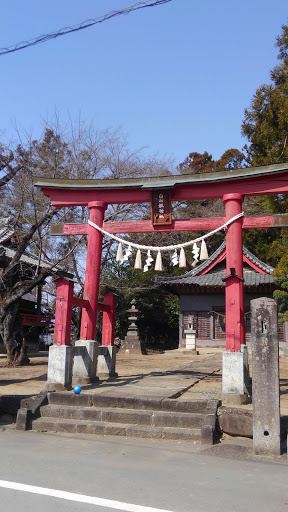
106	362
60	363
190	335
85	362
235	377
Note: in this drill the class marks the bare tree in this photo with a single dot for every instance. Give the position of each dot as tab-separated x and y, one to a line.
70	152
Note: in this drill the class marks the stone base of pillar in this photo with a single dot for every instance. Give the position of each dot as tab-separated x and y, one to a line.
60	361
85	362
106	362
131	345
84	381
235	377
235	399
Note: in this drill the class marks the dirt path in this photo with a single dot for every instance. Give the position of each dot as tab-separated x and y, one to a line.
29	380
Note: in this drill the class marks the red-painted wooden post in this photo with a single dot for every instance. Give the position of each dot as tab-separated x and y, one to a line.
63	313
93	269
108	327
234	290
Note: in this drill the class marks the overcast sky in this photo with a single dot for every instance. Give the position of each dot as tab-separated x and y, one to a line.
176	78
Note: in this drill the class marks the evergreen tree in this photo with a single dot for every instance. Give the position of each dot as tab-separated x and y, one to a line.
265	126
265	123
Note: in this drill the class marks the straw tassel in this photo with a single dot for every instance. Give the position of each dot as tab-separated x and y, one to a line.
119	256
182	258
158	264
138	262
203	251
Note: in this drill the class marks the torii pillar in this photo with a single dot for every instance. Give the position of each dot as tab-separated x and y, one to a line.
93	269
107	351
235	359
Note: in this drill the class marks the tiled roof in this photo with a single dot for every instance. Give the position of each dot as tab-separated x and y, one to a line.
6	230
30	297
215	278
27	257
32	259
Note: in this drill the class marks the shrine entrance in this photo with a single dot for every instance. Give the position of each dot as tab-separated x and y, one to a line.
160	192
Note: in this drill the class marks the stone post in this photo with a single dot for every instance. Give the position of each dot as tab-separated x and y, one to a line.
265	377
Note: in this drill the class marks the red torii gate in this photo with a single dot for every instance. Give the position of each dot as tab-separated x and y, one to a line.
231	186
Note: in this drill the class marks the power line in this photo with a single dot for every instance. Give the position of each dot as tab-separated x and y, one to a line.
81	26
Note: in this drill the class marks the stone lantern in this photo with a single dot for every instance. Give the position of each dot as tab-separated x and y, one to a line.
132	329
131	343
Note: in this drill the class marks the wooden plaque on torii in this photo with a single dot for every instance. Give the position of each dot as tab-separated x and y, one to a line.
161	211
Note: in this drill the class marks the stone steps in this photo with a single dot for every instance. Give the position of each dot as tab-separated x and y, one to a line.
44	424
128	402
127	416
102	414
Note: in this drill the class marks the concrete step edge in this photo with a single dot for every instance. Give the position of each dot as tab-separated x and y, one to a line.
131	416
99	400
121	410
100	428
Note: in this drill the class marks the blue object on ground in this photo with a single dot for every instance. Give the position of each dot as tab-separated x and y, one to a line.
77	390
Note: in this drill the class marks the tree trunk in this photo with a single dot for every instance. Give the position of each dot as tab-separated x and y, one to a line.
10	330
22	358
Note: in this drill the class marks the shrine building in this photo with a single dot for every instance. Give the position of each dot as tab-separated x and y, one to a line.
201	293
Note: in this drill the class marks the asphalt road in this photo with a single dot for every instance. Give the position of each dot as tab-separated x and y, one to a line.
170	476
